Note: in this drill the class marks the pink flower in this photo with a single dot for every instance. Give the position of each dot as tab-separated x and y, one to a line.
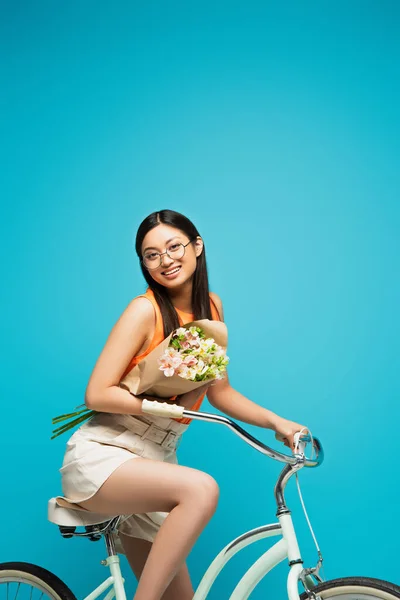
190	360
170	352
169	363
182	371
194	342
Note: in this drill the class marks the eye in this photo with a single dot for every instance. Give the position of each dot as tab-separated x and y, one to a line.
174	247
151	255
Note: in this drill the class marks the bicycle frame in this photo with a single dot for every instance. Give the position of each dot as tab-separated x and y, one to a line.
115	581
286	547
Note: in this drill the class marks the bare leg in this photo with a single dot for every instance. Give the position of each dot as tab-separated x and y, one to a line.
189	496
137	551
180	587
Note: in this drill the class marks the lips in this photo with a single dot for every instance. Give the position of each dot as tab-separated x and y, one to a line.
170	272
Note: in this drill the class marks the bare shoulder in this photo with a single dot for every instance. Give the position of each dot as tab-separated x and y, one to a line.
139	308
127	337
138	315
218	303
134	325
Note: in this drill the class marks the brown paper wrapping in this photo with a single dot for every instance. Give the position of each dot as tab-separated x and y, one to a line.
146	376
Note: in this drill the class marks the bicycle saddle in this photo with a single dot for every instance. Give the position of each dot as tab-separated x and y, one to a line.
64	513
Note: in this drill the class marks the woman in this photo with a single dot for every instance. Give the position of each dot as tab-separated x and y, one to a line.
107	468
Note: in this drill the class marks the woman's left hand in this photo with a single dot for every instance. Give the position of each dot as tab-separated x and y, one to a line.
285	430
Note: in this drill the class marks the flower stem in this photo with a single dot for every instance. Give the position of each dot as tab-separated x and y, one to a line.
56	432
69	415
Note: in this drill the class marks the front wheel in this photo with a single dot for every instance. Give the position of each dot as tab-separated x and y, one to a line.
354	588
25	581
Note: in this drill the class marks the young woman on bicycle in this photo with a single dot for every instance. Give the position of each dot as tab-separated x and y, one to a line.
106	468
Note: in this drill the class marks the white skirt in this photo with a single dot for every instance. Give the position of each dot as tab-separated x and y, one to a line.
99	447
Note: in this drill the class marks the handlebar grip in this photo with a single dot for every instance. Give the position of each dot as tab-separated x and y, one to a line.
300	441
162	409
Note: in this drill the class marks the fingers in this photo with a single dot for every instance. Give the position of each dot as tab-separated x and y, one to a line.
286	435
287	441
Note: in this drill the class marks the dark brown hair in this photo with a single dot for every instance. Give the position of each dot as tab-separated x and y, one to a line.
200	292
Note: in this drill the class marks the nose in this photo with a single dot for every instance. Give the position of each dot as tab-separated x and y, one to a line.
166	260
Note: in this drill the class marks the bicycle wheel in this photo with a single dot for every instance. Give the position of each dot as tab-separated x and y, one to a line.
25	581
355	588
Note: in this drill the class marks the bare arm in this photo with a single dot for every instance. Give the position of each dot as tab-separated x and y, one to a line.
225	398
126	339
228	400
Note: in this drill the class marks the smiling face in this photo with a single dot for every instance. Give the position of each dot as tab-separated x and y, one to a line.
175	269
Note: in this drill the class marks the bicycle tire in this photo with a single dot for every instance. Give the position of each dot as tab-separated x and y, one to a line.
36	577
355	588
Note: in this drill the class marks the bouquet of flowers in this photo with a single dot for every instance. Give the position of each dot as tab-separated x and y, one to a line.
193	357
188	358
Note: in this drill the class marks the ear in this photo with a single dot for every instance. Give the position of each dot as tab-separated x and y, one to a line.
198	246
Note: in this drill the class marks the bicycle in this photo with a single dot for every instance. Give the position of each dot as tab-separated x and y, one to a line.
95	526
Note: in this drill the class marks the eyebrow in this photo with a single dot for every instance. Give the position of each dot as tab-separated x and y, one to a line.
166	243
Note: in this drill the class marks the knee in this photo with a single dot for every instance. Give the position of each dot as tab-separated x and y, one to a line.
206	493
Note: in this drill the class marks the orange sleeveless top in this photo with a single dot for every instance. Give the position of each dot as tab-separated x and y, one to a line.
158	337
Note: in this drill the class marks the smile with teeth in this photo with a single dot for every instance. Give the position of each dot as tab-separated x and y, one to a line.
175	270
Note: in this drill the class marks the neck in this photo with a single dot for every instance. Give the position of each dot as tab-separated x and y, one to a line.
181	297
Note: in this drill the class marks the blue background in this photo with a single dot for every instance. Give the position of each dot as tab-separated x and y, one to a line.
276	130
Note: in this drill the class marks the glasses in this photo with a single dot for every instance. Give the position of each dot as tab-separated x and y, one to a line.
152	260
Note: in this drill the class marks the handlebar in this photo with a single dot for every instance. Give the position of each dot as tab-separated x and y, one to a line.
174	411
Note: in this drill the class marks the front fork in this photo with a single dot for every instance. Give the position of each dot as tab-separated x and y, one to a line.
311	577
297	572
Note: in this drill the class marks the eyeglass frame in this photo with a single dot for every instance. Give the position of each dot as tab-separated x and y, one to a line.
161	254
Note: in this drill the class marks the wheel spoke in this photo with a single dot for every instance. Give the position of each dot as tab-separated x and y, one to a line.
16	593
21	591
26	581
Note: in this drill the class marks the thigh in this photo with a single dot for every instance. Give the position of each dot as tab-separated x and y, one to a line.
137	551
141	485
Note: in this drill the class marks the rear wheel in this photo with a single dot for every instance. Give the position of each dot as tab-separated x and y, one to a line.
25	581
354	588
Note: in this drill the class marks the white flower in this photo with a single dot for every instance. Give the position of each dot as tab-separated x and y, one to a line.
181	331
194	332
169	372
182	371
191	373
219	352
206	344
